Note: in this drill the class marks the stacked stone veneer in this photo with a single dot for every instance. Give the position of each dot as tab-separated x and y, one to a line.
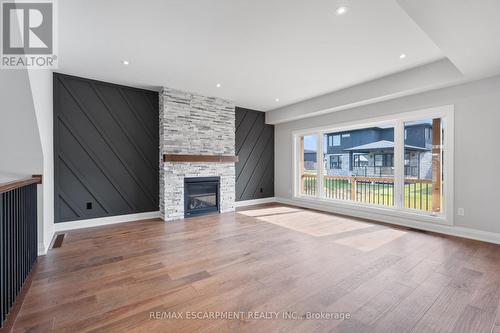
197	125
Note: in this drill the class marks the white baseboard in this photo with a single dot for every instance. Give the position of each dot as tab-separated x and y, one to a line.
254	202
65	226
485	236
41	249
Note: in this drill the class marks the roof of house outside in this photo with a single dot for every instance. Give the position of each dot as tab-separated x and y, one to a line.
420	123
380	145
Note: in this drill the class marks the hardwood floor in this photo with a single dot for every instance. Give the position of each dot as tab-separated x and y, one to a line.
263	259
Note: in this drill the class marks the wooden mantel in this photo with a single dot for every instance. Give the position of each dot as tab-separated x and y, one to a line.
200	158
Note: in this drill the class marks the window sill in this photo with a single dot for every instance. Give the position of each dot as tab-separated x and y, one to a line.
375	212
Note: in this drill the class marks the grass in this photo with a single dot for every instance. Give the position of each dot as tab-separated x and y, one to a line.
417	195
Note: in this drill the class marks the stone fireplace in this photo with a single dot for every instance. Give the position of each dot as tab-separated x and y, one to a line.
192	124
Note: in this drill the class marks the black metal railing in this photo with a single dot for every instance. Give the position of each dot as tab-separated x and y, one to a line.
18	241
373	171
375	192
418	194
371	190
378	191
338	188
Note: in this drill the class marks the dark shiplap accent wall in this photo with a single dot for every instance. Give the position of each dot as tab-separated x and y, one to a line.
255	149
106	149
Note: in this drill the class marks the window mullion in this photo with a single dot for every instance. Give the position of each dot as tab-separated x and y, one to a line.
321	166
399	164
296	164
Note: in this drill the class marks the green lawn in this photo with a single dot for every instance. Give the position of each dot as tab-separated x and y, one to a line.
417	195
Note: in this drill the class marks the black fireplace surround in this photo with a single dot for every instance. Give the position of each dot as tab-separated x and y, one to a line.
201	196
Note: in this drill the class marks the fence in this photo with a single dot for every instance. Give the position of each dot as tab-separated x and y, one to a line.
371	190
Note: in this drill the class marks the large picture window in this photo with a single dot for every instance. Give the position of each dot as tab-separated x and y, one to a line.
308	164
396	163
369	177
424	154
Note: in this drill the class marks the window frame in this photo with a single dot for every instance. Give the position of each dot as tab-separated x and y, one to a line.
407	159
339	162
339	142
387	160
445	112
356	161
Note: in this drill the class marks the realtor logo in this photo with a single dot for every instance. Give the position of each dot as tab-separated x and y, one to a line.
28	34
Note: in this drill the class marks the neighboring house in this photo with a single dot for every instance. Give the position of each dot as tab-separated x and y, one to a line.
309	159
370	152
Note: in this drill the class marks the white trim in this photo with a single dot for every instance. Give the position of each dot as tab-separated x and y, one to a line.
412	214
399	164
320	166
65	226
446	112
447	167
439	111
295	166
254	202
44	246
480	235
275	143
41	249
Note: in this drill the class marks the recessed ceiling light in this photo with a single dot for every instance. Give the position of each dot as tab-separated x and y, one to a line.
125	62
277	99
341	10
218	85
402	56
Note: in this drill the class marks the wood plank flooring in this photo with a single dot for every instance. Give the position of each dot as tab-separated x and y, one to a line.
261	260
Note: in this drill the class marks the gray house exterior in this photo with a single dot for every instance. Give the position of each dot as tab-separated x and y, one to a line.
310	159
370	152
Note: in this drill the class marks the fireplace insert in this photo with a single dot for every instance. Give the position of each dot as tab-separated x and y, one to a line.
201	195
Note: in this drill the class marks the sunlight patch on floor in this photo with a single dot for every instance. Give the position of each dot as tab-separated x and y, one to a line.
372	240
268	211
311	223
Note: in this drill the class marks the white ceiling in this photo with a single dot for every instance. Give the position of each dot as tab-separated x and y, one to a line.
465	30
258	50
468	32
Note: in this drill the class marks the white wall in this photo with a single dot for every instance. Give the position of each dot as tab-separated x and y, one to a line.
477	140
438	74
21	152
20	147
41	88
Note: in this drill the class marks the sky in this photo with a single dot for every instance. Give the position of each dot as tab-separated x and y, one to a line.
310	142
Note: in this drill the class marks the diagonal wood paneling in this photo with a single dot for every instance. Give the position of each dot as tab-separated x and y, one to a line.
106	149
255	149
